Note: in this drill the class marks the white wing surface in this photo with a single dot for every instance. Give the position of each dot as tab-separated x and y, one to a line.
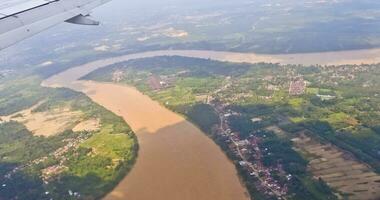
20	19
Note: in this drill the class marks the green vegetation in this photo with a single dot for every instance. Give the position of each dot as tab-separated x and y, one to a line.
340	105
69	165
302	186
19	145
204	116
19	94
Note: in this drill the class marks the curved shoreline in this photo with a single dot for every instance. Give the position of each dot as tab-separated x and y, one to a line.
160	168
369	56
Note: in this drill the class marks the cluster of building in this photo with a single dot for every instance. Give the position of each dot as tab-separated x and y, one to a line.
297	86
334	74
52	171
117	76
59	155
251	155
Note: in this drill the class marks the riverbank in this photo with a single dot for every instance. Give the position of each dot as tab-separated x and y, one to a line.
368	56
176	160
163	164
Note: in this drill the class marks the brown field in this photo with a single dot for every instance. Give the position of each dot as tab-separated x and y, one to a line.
339	169
88	125
52	122
47	123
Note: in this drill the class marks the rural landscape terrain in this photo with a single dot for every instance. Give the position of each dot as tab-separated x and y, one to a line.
192	99
289	129
58	144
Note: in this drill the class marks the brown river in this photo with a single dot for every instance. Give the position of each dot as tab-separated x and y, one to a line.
176	160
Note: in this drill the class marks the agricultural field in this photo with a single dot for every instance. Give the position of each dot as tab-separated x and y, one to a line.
339	169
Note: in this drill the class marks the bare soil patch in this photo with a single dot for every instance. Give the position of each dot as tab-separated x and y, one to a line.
88	125
46	123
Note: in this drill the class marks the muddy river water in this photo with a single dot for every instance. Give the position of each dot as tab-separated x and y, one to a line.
176	160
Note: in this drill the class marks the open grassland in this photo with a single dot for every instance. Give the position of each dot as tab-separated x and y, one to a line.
339	169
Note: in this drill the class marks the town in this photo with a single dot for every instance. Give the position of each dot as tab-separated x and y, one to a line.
250	155
59	156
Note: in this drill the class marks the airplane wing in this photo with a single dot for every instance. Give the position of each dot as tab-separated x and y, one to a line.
20	19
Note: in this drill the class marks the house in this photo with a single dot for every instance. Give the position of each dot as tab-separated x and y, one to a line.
243	163
242	143
326	97
256	120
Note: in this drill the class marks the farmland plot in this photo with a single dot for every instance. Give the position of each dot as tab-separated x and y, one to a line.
339	169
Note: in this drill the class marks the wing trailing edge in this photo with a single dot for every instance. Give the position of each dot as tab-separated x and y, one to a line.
20	21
